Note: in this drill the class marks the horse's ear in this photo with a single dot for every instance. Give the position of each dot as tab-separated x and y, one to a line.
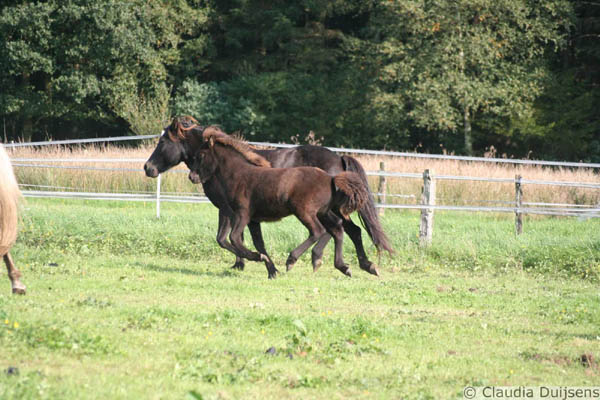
211	141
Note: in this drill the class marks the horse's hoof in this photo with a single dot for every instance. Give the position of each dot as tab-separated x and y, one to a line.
344	269
373	270
366	266
18	290
289	264
273	274
238	265
317	265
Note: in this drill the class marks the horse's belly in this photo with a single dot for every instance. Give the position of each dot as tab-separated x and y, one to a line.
266	219
269	213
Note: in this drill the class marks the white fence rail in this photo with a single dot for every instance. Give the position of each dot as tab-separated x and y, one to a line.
336	149
426	206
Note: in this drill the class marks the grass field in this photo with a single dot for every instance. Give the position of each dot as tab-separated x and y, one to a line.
121	305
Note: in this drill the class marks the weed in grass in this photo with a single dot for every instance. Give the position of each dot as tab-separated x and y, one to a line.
220	367
93	302
54	337
364	328
193	395
299	342
558	359
30	385
153	318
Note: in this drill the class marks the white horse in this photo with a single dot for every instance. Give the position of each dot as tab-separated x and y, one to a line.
9	205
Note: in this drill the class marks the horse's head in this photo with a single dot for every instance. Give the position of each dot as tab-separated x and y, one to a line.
176	144
204	165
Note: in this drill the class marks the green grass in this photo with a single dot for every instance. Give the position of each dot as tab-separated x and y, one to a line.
121	305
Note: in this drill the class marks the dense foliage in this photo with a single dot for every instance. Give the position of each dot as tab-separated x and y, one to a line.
452	75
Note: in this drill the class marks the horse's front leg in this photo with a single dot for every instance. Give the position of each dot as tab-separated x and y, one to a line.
239	222
316	231
14	274
222	233
317	251
259	243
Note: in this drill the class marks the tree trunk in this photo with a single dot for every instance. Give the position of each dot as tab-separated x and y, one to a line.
468	136
27	127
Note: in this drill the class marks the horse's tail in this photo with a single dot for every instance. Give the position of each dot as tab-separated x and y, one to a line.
368	213
9	202
351	193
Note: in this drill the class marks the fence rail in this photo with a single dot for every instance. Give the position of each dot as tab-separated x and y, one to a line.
335	149
114	196
427	204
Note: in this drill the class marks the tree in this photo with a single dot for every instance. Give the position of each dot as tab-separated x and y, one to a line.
78	63
25	62
565	123
288	63
441	64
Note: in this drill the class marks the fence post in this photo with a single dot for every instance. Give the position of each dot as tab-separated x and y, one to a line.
518	205
427	199
158	196
382	190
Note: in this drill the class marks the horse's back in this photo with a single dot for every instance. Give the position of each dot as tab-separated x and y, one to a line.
306	156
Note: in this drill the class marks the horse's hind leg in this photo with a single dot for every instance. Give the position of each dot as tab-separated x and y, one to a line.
333	224
354	232
14	274
259	243
222	232
317	251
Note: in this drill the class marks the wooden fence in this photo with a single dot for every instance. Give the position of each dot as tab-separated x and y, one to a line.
428	200
427	204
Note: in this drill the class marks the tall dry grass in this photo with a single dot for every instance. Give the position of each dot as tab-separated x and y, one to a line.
456	192
448	192
105	179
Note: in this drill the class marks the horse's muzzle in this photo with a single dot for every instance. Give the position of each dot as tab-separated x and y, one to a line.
194	177
151	170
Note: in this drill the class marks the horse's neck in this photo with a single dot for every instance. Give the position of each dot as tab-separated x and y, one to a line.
213	189
192	144
231	163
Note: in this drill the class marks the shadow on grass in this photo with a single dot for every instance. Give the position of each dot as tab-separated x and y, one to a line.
562	334
218	273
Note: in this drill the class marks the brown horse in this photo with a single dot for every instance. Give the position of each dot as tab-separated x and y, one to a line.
9	204
183	137
257	194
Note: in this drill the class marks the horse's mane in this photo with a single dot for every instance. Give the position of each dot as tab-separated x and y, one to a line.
216	134
180	126
9	200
